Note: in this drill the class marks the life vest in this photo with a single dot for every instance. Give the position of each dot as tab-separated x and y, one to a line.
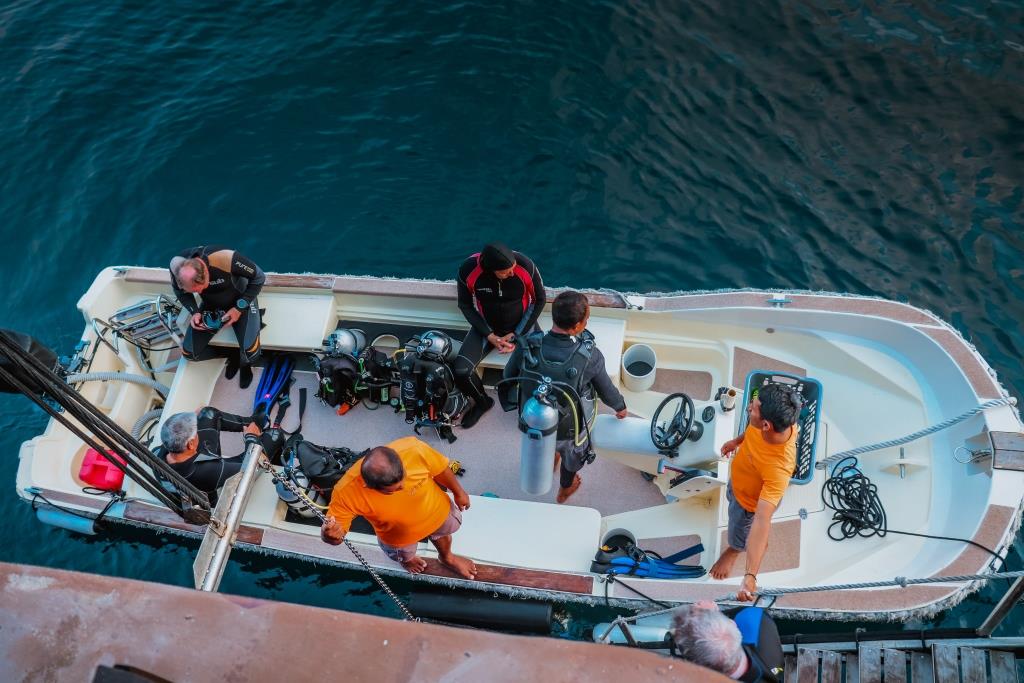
570	371
529	293
749	620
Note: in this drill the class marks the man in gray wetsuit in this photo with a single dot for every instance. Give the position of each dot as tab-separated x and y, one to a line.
567	353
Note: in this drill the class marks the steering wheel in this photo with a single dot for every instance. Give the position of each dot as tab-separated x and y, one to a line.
668	436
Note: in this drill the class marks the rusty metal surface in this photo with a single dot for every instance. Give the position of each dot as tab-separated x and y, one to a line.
58	626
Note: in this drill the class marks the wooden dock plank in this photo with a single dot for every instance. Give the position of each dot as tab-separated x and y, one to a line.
945	664
831	667
921	668
870	664
1008	450
1004	666
895	665
973	662
807	665
852	668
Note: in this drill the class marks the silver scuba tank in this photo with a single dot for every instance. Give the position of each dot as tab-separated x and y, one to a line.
538	422
345	341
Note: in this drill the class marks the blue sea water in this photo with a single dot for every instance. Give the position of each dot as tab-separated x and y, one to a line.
875	148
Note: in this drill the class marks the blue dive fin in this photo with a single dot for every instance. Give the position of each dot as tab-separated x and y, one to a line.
273	382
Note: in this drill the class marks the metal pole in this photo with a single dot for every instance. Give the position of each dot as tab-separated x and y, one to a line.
212	558
1002	608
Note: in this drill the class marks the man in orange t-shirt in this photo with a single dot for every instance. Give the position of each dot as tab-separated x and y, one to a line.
397	488
765	456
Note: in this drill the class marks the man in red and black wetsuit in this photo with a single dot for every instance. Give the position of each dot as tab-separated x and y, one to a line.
501	294
227	284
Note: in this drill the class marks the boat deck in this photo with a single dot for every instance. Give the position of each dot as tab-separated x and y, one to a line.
489	451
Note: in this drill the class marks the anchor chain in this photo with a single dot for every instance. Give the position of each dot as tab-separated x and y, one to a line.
284	481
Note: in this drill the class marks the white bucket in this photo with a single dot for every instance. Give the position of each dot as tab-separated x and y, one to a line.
644	362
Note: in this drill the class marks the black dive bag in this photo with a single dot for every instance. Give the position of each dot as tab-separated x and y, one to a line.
323	466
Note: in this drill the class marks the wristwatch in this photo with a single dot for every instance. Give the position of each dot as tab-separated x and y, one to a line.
241	304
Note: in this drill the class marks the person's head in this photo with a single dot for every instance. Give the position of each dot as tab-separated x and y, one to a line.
382	470
191	274
707	637
570	312
776	408
498	259
180	433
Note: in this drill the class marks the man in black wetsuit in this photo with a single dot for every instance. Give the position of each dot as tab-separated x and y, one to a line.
569	354
500	293
746	647
192	445
227	284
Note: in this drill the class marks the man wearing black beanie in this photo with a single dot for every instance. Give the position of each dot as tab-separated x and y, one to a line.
501	294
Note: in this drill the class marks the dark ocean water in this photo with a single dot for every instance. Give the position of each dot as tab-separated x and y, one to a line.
875	148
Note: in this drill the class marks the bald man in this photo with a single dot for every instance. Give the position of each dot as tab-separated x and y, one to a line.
397	489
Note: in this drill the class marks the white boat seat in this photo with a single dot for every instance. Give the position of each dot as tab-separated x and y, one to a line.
527	534
294	322
631	435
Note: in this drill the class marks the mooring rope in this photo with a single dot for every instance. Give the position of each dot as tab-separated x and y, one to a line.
993	403
899	581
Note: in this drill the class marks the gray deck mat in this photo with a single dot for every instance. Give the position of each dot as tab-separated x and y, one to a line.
489	451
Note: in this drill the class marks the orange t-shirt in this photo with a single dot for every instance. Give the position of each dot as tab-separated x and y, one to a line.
762	470
405	516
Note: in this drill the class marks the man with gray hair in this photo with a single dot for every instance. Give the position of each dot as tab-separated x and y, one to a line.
226	283
744	648
191	442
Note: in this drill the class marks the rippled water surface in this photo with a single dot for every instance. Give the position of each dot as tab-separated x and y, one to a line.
636	145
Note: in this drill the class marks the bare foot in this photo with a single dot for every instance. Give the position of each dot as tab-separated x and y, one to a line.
416	565
721	568
564	493
463	566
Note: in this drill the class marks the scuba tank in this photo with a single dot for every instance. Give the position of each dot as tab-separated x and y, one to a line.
538	422
344	342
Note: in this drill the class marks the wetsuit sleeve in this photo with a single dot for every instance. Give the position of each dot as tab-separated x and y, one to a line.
233	423
540	296
243	267
606	389
466	303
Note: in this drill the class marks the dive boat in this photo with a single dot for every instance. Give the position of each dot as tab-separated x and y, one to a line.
874	371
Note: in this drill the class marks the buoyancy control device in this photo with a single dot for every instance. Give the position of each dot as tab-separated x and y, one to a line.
554	406
429	393
350	372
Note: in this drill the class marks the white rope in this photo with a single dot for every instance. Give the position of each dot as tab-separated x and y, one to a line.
994	403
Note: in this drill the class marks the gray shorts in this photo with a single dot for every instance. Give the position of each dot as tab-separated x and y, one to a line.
405	553
739	522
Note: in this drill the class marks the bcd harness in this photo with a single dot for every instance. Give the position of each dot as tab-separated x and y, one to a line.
537	368
429	393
